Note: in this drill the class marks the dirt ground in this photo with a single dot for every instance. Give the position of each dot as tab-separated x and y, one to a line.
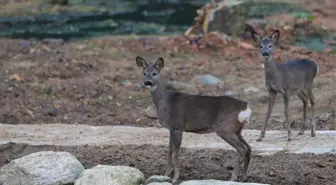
279	169
96	82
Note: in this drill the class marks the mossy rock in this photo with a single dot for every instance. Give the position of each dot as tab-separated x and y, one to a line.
232	15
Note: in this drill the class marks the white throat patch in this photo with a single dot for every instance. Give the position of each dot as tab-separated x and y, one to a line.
152	88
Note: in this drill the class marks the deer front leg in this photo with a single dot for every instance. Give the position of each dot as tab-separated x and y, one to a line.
177	140
304	100
313	120
286	106
271	100
170	153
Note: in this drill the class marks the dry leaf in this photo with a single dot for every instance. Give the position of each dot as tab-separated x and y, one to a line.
17	77
246	45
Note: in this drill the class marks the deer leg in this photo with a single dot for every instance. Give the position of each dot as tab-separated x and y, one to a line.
177	139
170	153
233	140
313	121
247	157
271	100
304	100
286	106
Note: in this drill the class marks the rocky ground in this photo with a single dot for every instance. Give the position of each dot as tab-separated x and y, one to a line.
96	82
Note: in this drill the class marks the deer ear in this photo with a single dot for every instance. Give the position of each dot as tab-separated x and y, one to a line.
159	64
141	62
275	36
256	37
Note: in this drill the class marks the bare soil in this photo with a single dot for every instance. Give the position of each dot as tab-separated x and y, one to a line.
278	169
96	82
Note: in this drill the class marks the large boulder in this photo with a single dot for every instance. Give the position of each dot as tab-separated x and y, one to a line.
217	182
111	175
42	168
235	17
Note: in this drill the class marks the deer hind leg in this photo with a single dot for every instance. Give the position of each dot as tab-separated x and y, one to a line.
286	97
176	139
232	139
304	98
247	157
169	168
313	121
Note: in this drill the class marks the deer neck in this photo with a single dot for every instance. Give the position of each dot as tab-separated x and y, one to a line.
272	73
158	94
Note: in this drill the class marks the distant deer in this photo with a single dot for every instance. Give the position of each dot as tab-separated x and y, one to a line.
290	78
198	114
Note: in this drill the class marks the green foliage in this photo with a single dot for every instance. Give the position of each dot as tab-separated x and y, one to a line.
304	15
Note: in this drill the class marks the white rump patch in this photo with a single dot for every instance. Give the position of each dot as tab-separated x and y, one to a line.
245	115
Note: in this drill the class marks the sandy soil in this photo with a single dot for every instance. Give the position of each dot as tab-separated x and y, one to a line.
76	135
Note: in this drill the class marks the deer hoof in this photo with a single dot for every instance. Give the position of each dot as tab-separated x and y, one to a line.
174	182
233	179
260	138
301	133
245	178
313	134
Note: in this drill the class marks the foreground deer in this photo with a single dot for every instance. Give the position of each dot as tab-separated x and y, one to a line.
291	78
199	114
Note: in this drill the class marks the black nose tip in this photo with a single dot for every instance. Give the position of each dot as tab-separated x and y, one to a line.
148	83
265	54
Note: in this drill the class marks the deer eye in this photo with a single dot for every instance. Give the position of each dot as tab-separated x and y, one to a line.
145	74
269	46
261	47
154	74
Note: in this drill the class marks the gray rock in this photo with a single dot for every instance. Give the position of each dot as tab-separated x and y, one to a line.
111	175
159	183
325	116
158	179
42	168
216	182
207	80
251	89
228	93
178	86
151	112
126	83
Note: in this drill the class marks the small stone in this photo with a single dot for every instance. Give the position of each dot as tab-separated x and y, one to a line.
126	83
159	183
228	93
52	112
325	116
271	174
251	89
151	112
207	80
25	44
54	41
158	179
217	182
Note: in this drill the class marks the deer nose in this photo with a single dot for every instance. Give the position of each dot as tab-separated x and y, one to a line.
148	83
265	54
